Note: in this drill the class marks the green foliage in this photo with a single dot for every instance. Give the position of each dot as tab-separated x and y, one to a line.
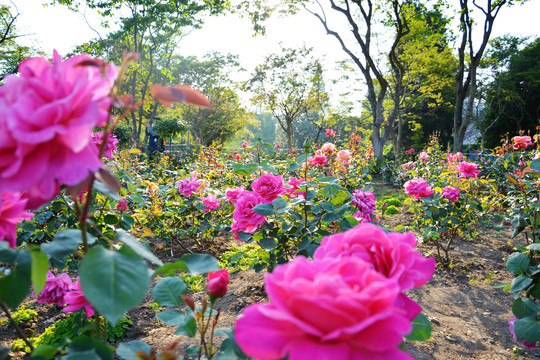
242	257
391	210
21	316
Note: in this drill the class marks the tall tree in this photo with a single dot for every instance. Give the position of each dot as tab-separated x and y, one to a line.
469	60
288	86
11	53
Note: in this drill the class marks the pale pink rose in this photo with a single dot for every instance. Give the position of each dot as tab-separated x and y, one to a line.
188	186
122	205
450	193
528	345
12	211
233	194
328	148
198	139
194	174
452	158
408	165
269	186
330	132
217	283
55	289
325	309
343	156
47	115
244	218
423	156
292	186
210	202
418	188
467	169
110	146
245	144
522	142
318	159
76	300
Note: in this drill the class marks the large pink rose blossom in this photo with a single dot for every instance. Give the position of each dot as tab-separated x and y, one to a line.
325	309
418	188
450	193
12	211
319	159
55	289
244	218
233	194
110	145
467	169
217	283
210	202
47	115
188	186
269	186
76	300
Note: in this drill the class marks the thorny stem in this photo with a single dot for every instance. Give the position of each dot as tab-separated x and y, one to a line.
15	326
84	214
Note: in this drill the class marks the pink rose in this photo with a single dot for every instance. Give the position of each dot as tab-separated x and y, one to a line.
292	186
233	194
245	144
328	148
277	147
244	218
12	211
450	193
522	142
55	289
188	186
364	201
423	156
122	205
217	283
452	158
408	166
343	156
47	115
467	169
325	309
318	159
210	202
76	300
110	146
410	151
330	132
418	188
269	186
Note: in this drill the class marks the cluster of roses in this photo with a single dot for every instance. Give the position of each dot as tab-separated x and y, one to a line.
190	185
420	188
322	156
346	303
47	116
61	290
521	142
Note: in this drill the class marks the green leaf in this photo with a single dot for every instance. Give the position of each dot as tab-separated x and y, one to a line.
421	330
193	350
527	329
45	351
169	269
85	348
103	189
519	223
128	350
188	327
65	243
198	264
244	169
139	248
519	285
517	263
171	317
15	287
522	308
268	243
168	292
200	206
535	165
328	206
40	265
110	219
264	209
279	203
534	247
113	281
244	236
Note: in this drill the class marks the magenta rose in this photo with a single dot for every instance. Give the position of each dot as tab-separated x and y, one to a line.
47	115
450	193
330	132
110	145
269	186
210	202
233	194
76	300
423	156
292	186
55	289
12	211
244	218
122	205
418	188
217	283
188	186
325	309
467	169
364	201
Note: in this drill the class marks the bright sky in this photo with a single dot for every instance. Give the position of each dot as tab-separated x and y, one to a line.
58	28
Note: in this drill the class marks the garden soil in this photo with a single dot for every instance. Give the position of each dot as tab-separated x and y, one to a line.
469	316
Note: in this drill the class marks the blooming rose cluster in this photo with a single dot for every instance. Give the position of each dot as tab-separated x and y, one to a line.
347	303
110	144
12	211
521	142
319	159
328	148
210	202
410	151
292	185
61	290
418	188
450	193
233	194
467	169
188	186
47	116
343	156
408	165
